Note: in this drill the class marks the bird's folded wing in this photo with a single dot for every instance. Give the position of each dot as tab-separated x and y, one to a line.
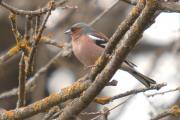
99	38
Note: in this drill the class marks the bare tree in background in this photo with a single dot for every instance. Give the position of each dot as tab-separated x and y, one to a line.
70	102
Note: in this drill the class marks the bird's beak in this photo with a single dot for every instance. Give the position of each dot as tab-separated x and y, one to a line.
68	32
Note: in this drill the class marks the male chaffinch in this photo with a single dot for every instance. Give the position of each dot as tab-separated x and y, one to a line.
88	45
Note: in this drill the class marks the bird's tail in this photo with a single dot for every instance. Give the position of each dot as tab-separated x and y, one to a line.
142	78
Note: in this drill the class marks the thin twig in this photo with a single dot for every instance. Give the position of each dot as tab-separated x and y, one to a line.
173	111
162	115
56	115
51	112
37	25
27	27
31	13
10	93
17	35
65	52
90	113
103	13
105	114
37	39
21	89
21	45
105	100
47	40
6	56
135	91
108	111
164	92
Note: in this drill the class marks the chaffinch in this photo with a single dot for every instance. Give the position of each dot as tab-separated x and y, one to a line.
88	45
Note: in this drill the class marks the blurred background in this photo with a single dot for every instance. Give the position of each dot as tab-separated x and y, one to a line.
156	55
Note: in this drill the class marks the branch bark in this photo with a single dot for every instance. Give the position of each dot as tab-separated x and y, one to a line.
33	12
121	52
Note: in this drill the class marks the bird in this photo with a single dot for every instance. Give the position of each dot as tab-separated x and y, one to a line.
88	45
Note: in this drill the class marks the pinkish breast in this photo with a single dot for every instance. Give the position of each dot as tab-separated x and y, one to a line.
86	51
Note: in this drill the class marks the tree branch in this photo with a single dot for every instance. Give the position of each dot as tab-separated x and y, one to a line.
169	6
66	51
164	92
22	82
121	52
173	111
105	100
37	39
103	13
31	13
116	37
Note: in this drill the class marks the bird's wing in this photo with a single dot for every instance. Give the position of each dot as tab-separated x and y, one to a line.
99	38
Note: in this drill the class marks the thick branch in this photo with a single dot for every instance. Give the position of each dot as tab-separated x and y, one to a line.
121	52
116	37
69	93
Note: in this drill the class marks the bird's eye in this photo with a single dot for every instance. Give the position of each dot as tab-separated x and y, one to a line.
74	29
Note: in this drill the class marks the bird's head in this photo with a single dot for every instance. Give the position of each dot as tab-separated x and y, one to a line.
79	28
